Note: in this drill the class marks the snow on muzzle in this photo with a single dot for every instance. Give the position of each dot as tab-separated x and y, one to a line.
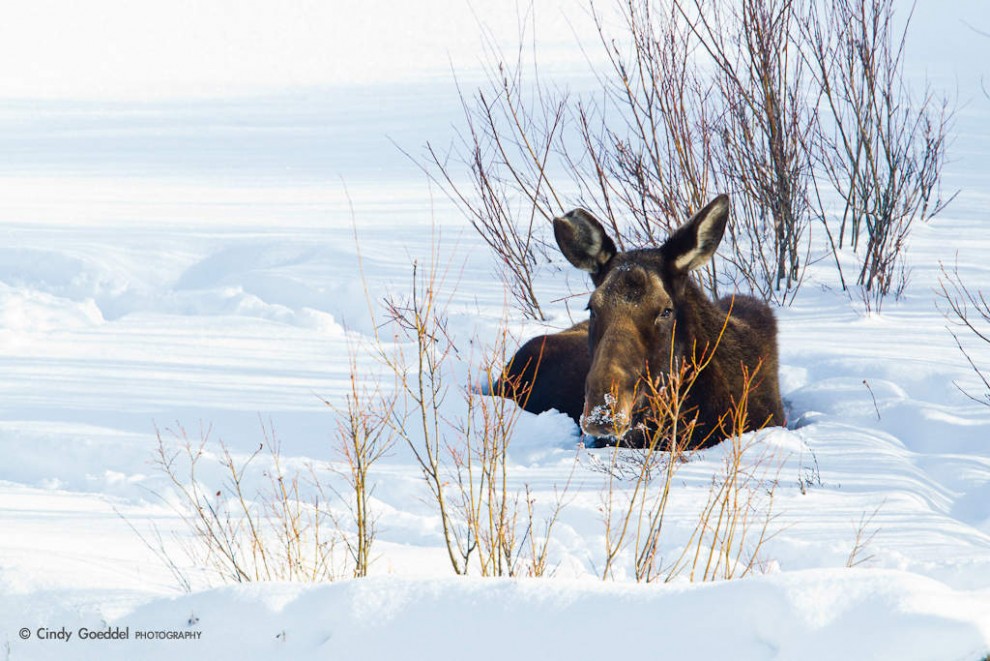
610	418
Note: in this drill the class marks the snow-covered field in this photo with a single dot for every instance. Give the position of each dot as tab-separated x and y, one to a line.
177	222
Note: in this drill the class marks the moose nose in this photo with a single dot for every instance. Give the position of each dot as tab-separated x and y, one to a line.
604	419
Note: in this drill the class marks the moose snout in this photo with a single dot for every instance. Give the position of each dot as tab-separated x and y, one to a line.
606	416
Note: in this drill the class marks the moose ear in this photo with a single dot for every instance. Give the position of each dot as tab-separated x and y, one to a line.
583	241
693	243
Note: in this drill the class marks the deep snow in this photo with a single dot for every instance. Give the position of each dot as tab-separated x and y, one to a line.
178	249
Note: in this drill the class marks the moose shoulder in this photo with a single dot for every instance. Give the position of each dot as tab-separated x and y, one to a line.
648	316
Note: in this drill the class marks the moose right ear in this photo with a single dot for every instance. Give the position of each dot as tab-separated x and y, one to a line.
583	241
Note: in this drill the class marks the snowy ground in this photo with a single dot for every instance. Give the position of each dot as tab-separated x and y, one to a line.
177	249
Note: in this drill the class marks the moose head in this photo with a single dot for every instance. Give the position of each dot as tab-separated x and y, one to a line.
646	310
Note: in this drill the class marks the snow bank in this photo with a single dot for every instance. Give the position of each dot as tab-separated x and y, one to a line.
838	614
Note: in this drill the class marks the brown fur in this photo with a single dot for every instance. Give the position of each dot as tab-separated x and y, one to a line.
548	372
645	303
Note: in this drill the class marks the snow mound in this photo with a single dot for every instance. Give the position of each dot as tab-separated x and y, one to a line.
821	614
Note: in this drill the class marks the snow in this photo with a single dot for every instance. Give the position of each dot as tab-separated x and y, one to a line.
116	49
180	189
808	614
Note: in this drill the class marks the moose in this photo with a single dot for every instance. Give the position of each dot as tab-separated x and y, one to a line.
646	316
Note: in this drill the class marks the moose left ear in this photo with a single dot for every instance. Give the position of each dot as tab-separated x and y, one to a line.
693	243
